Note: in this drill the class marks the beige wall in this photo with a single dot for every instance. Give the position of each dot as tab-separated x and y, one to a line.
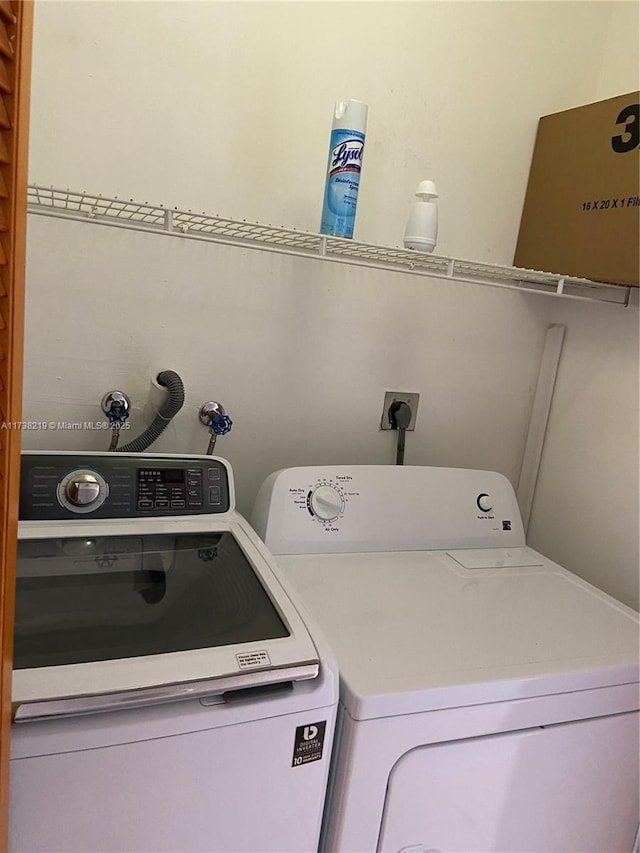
585	513
620	69
299	351
226	107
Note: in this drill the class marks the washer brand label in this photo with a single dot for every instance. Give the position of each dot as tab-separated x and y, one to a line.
308	744
247	660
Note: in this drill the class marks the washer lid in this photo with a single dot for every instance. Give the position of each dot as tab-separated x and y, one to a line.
416	631
120	613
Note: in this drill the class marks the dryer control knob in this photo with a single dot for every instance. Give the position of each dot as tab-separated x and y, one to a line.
326	503
484	502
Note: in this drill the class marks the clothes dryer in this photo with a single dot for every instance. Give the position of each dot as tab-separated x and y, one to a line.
167	693
489	697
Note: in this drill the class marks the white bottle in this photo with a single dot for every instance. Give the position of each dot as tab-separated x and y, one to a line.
421	232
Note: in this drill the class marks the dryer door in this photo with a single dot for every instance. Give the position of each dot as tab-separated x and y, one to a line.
567	788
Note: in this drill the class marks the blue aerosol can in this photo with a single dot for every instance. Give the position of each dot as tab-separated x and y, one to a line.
346	148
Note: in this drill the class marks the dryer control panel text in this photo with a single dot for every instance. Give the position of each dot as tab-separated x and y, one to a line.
386	508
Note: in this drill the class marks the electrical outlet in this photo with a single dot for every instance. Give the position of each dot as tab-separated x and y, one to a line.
392	397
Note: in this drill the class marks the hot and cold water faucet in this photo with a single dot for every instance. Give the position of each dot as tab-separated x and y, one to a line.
213	416
117	407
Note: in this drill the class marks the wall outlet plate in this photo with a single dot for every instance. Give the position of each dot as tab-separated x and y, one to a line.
391	397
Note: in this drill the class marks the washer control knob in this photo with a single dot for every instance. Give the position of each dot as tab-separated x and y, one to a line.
326	503
82	491
484	502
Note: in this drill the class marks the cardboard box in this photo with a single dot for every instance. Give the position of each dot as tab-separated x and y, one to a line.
581	213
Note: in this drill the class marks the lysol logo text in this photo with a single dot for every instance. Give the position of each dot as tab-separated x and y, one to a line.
347	155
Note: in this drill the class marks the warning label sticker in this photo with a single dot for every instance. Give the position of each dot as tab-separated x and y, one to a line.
250	659
308	743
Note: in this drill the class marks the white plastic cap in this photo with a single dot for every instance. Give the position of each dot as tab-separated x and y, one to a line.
350	115
426	189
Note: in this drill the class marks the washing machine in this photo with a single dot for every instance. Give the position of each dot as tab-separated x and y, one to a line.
167	694
489	697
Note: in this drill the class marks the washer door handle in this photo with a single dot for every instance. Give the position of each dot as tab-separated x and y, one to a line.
76	705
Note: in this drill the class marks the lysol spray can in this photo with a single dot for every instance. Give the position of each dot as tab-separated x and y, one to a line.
346	148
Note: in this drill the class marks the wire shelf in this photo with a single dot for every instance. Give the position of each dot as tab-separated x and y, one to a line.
82	206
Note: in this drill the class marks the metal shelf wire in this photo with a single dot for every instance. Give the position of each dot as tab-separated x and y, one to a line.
86	207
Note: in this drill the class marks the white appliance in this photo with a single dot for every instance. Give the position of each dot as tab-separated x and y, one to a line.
167	694
489	698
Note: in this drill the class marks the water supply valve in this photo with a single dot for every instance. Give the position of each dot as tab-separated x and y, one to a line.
116	407
221	424
214	417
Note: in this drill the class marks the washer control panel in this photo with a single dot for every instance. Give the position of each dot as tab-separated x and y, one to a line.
110	485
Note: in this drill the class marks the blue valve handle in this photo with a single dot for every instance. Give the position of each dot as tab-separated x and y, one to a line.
117	414
220	424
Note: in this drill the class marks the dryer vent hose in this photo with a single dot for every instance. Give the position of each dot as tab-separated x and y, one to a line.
172	382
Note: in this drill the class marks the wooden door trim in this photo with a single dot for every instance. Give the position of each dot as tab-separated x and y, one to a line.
16	70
